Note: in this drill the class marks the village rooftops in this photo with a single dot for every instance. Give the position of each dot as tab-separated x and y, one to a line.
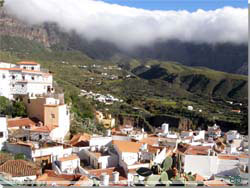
51	178
22	122
19	168
127	146
33	124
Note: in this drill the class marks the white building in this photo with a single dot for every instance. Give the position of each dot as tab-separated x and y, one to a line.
128	152
165	127
232	134
24	78
37	151
68	164
3	131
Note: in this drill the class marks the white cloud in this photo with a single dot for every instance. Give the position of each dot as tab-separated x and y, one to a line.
128	27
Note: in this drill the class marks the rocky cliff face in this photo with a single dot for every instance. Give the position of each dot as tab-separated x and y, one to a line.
11	26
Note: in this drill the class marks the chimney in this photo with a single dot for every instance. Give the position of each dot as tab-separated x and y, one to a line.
115	177
105	179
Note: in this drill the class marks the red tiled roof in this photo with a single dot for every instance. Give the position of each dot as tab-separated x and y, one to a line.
50	177
127	146
27	63
44	129
80	138
19	168
197	150
11	69
21	122
228	157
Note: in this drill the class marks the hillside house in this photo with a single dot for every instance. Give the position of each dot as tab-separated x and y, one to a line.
24	78
53	114
45	152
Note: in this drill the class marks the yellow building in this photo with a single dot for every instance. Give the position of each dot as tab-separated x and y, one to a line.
107	121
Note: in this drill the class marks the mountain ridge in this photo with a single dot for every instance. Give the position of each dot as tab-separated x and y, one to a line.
226	57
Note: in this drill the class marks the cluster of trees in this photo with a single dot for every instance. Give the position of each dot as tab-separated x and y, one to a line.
12	108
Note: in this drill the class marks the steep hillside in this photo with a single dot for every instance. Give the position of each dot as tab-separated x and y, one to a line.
197	80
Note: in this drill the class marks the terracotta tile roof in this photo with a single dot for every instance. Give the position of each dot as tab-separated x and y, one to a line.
19	168
27	63
228	157
19	122
44	129
99	172
80	138
215	183
127	146
197	150
68	158
50	177
11	69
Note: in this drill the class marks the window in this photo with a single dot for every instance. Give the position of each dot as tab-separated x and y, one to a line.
32	68
33	78
29	101
3	76
40	136
13	77
13	85
1	134
23	77
24	67
53	116
22	86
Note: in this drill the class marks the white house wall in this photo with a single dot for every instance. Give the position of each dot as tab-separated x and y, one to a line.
4	130
100	141
206	166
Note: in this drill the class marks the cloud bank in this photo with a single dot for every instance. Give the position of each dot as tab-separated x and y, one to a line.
129	27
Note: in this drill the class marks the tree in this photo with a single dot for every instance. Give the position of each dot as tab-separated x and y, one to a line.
1	3
14	109
5	106
19	109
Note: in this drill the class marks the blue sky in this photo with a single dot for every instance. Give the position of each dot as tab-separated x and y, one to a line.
190	5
